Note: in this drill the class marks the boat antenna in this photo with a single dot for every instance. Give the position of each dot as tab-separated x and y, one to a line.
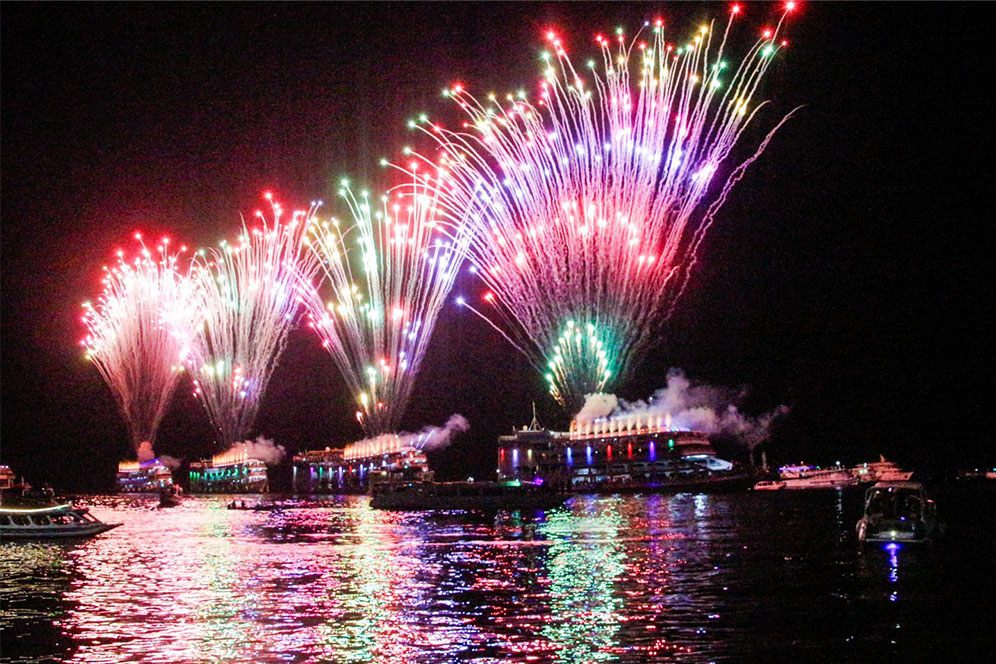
534	425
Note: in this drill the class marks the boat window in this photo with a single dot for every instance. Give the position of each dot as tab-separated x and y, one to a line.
4	520
19	520
912	506
40	520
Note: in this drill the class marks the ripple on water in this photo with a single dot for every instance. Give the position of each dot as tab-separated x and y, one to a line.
621	579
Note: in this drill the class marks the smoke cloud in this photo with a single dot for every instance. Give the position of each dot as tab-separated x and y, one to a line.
145	451
170	462
263	449
697	406
430	438
597	405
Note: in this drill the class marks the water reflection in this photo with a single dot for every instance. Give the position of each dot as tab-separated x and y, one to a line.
622	579
583	562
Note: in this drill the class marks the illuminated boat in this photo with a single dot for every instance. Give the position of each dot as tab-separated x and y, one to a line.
769	485
7	478
618	455
50	522
880	471
232	471
351	470
143	476
897	512
483	496
815	477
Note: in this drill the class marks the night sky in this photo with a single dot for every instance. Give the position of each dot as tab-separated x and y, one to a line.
844	277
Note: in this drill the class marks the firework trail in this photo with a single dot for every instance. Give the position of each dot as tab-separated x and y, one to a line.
248	295
588	204
135	335
387	273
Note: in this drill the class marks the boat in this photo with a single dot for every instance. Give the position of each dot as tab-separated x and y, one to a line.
769	485
7	478
232	471
619	454
258	507
50	522
171	496
814	477
897	512
468	495
149	476
976	474
880	471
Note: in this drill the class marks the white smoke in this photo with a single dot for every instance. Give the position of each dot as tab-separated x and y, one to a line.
428	439
170	462
696	406
263	449
597	405
145	452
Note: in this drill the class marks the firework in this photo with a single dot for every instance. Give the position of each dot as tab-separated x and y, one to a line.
134	335
247	300
387	273
588	203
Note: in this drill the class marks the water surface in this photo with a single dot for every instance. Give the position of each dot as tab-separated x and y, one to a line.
685	578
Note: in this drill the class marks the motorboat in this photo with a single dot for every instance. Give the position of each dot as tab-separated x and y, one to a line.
171	496
254	507
49	522
769	485
897	512
815	477
880	471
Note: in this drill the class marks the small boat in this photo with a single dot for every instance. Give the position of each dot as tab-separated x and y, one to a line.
258	507
48	522
769	485
897	512
463	496
171	496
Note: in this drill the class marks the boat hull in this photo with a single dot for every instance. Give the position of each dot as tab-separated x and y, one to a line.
52	532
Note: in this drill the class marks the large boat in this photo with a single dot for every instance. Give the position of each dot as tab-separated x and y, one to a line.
49	522
232	471
897	512
143	476
814	477
353	468
880	471
485	496
617	455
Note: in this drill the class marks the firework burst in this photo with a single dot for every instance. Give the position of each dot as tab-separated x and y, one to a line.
386	274
588	203
248	296
135	334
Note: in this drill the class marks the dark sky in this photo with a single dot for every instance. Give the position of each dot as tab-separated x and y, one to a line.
844	277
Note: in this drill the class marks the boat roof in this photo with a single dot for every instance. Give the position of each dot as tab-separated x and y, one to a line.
31	510
898	485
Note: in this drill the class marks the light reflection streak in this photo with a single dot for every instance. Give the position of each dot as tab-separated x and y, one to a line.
629	579
583	562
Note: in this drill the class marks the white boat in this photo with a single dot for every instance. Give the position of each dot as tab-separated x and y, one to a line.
769	485
814	477
897	512
48	522
881	471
